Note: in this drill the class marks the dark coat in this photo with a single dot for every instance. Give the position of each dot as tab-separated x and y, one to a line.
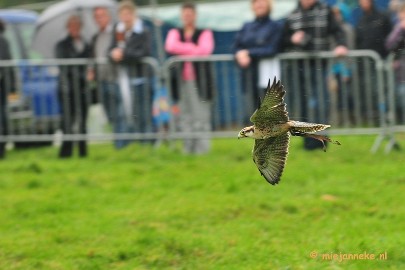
261	38
7	84
73	95
318	23
6	73
372	30
72	80
395	43
4	48
65	49
137	46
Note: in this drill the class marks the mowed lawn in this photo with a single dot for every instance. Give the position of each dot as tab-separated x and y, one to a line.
142	208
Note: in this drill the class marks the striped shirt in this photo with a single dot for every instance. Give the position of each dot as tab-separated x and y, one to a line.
318	23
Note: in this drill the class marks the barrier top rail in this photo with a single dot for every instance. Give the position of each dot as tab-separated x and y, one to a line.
69	61
211	58
329	54
282	56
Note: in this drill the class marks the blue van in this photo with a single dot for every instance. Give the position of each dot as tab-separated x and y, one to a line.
35	108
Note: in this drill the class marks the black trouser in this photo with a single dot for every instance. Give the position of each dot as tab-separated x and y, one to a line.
307	83
3	121
74	103
66	149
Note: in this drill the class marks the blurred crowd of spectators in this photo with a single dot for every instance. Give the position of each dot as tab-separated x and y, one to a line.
313	26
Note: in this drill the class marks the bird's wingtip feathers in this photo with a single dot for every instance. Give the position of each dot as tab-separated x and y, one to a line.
268	84
271	180
276	83
259	102
276	86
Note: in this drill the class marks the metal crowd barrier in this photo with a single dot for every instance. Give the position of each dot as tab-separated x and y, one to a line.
48	100
355	94
349	93
356	100
395	77
350	90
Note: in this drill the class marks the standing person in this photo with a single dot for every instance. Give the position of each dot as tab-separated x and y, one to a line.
395	43
257	40
372	29
133	103
6	81
371	32
393	8
341	72
72	86
103	74
308	29
342	14
196	84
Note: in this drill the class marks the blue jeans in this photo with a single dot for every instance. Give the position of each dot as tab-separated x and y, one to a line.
141	120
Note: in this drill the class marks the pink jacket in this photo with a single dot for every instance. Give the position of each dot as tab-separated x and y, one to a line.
204	47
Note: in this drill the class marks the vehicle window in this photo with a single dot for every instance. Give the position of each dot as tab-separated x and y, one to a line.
27	31
20	36
11	37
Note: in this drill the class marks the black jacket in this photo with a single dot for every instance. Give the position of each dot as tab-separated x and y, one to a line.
318	23
7	85
66	49
72	79
137	46
372	30
7	78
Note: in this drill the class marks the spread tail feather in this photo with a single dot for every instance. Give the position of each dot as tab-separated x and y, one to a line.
305	127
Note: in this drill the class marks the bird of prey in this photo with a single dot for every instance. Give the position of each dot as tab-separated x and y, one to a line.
271	131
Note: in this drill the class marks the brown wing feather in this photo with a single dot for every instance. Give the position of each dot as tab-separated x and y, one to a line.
274	93
272	109
270	156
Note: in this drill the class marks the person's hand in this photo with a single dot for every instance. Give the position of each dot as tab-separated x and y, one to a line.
243	58
402	24
346	79
340	51
298	37
117	54
90	76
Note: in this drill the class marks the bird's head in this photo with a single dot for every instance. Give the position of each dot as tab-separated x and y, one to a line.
246	132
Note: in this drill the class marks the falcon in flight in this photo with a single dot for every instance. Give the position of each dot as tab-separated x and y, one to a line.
271	131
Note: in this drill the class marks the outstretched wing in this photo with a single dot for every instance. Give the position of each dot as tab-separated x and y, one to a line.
272	109
270	156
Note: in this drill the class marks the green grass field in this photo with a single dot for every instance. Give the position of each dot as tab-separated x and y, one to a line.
141	208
